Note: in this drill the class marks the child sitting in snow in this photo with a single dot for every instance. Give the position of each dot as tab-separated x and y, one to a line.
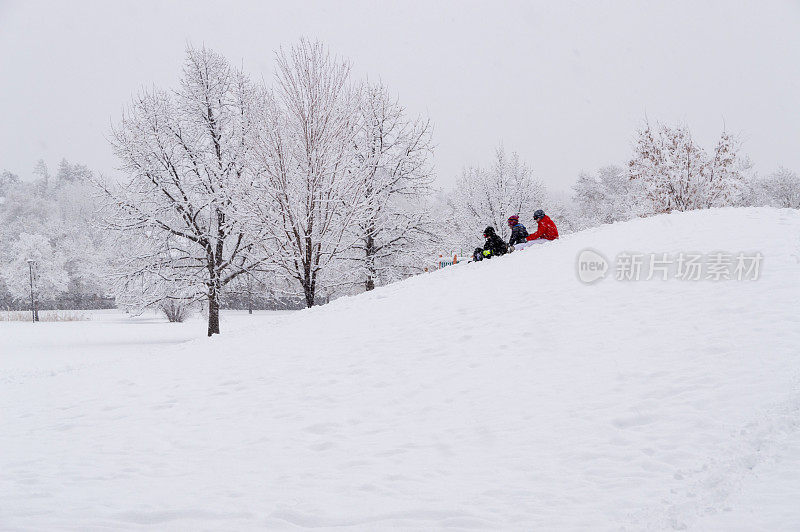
494	246
518	231
545	232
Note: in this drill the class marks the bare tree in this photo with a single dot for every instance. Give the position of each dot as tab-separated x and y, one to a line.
488	197
394	154
307	195
185	155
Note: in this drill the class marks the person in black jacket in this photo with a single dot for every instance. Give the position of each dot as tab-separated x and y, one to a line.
494	244
518	231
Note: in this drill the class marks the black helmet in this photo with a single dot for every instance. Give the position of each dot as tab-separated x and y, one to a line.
488	231
538	215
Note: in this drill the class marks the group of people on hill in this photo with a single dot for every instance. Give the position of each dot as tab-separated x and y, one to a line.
520	238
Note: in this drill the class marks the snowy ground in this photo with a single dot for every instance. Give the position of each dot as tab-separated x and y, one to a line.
499	395
28	349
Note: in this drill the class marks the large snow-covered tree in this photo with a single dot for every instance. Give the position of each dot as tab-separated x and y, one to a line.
484	197
185	155
394	155
308	196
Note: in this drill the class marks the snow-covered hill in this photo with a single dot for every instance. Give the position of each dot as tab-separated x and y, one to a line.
505	394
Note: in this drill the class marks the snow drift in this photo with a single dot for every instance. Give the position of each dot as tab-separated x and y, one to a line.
502	394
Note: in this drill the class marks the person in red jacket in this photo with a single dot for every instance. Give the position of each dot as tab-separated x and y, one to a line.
545	231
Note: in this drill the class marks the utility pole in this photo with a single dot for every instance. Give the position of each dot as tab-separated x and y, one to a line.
34	317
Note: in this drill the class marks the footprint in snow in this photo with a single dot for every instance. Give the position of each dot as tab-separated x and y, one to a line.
321	428
632	421
322	446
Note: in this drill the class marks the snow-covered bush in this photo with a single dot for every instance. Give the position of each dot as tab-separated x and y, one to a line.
175	310
780	189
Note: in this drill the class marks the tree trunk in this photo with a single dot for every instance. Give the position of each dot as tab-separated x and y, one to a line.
213	304
213	313
215	270
308	291
370	252
309	281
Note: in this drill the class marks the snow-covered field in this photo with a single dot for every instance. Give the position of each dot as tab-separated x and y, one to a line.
499	395
28	349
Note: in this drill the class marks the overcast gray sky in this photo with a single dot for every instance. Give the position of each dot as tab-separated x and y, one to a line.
563	83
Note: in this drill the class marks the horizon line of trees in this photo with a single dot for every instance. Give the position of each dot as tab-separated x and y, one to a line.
50	219
252	195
